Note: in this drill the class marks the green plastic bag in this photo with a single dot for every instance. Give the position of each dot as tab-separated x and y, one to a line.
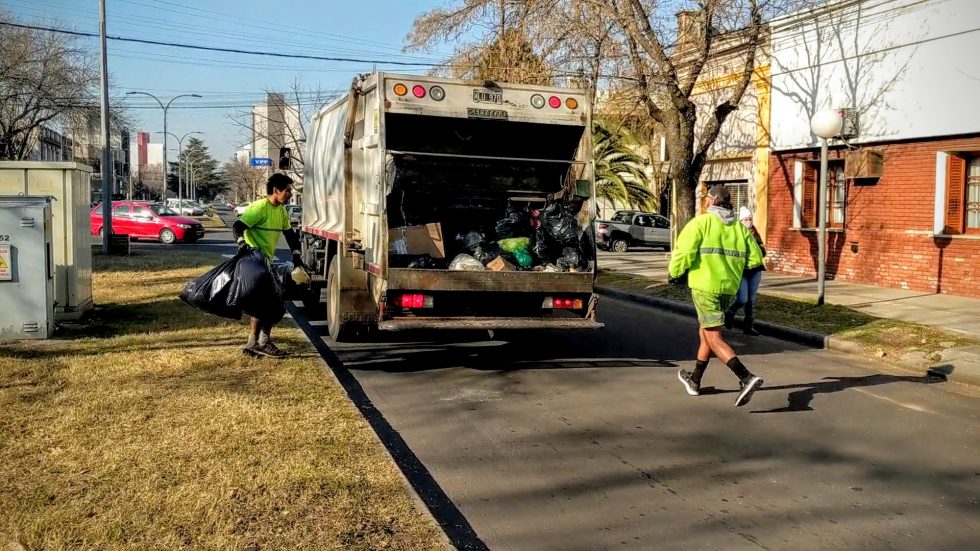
523	258
513	244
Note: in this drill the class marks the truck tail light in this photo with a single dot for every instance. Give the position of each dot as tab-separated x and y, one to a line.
415	301
562	303
418	91
554	102
537	101
571	103
437	93
400	89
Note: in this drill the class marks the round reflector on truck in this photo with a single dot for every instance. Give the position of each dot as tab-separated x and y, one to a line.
400	89
554	102
418	91
537	101
437	93
571	103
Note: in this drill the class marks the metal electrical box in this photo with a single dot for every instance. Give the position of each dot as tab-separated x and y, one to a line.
68	186
26	268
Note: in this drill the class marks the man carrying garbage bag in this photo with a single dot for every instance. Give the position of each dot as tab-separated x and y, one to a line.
259	228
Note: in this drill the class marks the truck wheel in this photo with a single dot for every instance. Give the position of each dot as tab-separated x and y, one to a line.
619	245
339	331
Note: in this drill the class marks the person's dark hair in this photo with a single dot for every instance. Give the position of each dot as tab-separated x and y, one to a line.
721	195
277	181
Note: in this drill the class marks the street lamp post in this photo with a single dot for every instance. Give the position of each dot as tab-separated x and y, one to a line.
165	108
180	148
824	124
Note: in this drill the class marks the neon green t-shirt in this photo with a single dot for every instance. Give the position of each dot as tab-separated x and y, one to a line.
265	222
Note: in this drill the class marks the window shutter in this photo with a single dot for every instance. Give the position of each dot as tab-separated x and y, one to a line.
809	197
955	193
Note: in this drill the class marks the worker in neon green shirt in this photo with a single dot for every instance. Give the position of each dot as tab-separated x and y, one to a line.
713	250
259	227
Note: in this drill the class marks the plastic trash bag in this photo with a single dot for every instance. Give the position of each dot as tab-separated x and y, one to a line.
486	252
561	226
209	292
572	260
466	263
523	258
541	248
516	222
513	244
257	288
424	262
470	240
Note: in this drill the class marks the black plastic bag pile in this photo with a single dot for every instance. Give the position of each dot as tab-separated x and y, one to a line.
209	292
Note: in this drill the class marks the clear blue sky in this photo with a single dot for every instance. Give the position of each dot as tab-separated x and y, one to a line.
373	29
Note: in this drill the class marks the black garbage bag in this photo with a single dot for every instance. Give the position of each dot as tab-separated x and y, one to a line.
209	292
257	289
283	272
515	223
542	247
486	252
470	240
572	260
424	262
559	221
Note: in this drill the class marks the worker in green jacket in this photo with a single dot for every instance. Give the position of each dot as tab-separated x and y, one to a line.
713	250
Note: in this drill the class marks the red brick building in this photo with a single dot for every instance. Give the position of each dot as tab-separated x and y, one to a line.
915	227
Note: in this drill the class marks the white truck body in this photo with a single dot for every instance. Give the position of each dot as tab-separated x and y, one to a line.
375	140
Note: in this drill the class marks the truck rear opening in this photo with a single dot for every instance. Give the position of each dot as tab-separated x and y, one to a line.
464	175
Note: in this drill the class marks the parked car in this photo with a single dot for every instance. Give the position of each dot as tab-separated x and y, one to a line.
146	220
629	228
240	209
295	214
186	207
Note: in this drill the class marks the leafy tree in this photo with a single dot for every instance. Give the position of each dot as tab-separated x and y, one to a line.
619	168
203	170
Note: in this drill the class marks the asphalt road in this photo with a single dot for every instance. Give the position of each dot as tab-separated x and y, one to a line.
587	440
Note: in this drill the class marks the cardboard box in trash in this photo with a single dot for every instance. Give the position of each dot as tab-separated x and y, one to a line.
419	240
499	264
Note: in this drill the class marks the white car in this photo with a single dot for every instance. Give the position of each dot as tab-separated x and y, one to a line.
240	209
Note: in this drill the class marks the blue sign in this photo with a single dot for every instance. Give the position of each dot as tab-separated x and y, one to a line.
261	161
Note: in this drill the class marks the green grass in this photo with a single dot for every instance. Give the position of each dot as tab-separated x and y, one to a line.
146	428
878	336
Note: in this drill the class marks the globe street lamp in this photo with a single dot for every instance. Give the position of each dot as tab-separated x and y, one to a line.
824	124
165	108
180	146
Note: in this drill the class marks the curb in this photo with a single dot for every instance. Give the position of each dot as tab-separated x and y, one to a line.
965	370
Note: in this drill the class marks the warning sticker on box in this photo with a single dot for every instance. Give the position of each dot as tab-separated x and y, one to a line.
6	274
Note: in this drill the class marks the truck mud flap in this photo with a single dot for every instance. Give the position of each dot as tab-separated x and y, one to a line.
487	323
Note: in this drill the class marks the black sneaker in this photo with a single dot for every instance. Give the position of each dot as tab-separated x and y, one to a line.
692	387
747	387
250	351
750	331
269	349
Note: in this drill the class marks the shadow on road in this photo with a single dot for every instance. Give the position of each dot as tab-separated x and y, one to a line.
799	400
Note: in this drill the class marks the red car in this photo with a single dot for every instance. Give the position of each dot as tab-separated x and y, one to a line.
146	220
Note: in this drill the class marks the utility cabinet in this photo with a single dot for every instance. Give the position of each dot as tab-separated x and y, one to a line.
26	268
68	185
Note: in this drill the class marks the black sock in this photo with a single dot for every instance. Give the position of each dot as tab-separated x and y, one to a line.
738	369
699	367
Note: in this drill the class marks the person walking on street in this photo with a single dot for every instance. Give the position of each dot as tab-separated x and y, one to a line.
751	278
259	227
713	251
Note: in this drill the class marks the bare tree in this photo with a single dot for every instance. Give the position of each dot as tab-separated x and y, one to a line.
151	179
44	78
244	181
284	124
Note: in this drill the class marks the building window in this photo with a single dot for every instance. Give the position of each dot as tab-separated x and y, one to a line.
973	196
836	212
962	208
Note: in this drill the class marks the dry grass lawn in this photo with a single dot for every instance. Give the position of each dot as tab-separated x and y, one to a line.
147	428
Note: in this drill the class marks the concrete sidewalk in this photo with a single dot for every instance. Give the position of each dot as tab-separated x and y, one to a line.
959	315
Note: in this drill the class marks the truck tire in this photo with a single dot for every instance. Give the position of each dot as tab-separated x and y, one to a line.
340	331
619	245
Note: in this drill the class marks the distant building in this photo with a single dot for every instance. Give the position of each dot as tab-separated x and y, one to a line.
276	124
52	146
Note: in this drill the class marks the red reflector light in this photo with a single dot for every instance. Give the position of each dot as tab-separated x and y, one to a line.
418	91
407	301
418	301
554	102
414	301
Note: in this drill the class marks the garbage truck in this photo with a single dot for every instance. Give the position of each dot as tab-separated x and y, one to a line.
434	204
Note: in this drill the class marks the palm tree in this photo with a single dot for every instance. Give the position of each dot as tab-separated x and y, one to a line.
619	169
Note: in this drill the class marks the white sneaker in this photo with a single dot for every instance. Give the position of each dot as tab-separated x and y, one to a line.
692	388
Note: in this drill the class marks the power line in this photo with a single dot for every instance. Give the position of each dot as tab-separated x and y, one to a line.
216	49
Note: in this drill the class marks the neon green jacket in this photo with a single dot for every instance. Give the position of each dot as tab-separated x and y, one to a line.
714	251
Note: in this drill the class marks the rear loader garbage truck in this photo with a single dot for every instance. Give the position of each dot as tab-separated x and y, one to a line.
433	203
